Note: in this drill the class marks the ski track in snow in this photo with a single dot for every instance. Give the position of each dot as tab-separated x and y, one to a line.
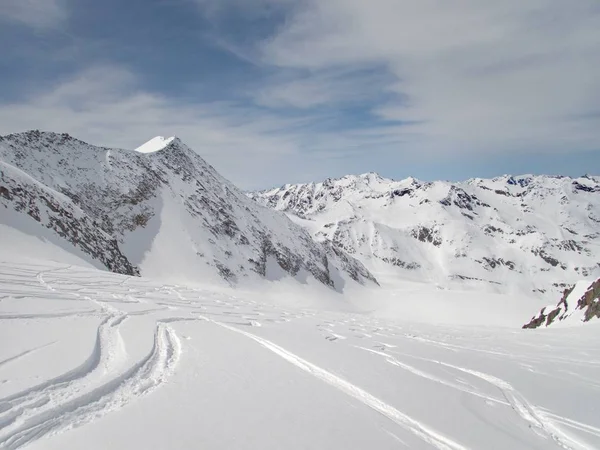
78	409
102	383
112	376
529	413
421	430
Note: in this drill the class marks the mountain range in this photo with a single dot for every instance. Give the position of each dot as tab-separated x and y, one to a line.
162	211
512	234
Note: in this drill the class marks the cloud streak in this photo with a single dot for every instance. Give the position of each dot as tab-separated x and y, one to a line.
476	76
274	91
38	14
105	105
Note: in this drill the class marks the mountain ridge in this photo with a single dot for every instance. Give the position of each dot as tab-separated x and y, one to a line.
529	233
167	213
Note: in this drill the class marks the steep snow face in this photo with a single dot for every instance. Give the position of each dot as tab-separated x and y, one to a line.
508	234
165	214
155	144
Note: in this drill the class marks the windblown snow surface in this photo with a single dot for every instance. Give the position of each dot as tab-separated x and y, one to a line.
95	360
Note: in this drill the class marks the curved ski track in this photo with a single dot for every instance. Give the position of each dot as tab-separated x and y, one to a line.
104	382
73	399
108	380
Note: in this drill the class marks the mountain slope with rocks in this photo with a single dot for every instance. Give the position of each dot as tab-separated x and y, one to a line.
526	234
579	304
161	212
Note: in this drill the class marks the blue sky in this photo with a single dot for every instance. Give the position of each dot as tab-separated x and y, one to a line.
276	91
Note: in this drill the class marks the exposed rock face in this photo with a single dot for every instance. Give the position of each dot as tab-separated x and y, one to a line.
67	220
527	234
581	303
159	213
590	302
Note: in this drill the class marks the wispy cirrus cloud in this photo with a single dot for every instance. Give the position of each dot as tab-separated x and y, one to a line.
275	91
327	89
39	14
105	105
472	75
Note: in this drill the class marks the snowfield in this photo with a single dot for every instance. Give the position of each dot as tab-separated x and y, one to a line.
95	360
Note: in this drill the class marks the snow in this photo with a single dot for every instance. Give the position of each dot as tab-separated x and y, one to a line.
21	238
523	236
187	357
98	360
154	145
130	212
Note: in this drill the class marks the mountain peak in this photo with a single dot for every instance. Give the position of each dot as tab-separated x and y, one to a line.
370	176
155	144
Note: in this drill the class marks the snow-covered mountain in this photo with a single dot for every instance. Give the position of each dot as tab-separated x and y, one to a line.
579	304
508	234
161	211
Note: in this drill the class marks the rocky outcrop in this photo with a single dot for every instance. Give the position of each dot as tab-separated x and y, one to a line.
67	220
580	303
590	302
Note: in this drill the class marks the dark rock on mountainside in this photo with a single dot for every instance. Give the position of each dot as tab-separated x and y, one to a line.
509	233
112	205
586	301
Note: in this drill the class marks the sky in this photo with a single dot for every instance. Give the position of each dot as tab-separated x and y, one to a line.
284	91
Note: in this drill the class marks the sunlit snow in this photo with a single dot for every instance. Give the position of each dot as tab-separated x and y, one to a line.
155	144
97	360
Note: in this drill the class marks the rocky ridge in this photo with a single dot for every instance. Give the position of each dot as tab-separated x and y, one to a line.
161	213
531	234
580	303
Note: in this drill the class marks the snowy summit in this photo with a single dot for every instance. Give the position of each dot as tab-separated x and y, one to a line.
155	144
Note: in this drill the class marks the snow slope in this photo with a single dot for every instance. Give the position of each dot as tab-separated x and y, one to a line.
98	360
527	234
161	211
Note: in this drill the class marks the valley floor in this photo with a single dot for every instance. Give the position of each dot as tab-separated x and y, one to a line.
95	360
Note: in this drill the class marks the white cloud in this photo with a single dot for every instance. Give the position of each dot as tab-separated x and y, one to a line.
475	75
440	79
331	88
38	14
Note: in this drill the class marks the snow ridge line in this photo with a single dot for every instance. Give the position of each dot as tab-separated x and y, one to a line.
139	380
424	432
